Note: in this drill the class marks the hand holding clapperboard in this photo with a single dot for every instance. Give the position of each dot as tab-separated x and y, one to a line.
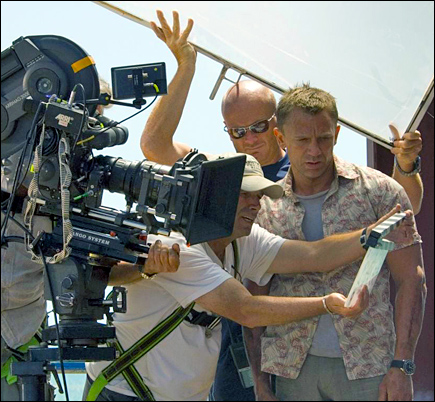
374	258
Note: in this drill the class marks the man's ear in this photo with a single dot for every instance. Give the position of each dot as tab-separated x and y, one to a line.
337	130
279	137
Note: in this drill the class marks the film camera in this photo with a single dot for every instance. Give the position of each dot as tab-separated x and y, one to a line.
49	129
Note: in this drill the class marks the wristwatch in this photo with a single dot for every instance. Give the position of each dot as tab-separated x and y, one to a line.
413	172
407	366
144	274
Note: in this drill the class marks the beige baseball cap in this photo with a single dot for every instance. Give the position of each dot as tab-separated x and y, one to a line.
253	177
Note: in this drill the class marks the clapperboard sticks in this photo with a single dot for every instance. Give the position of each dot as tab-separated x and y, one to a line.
374	258
386	227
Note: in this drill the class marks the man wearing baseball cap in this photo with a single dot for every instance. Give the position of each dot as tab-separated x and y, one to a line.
182	366
253	176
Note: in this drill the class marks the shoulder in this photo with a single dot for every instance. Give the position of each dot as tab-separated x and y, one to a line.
259	238
364	175
381	190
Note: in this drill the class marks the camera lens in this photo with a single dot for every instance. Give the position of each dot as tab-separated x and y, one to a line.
44	85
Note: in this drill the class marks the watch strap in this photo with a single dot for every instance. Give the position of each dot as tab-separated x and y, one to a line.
144	275
407	366
413	172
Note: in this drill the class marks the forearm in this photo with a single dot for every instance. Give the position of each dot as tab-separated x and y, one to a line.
319	256
261	311
337	250
261	379
409	313
231	300
252	336
161	259
124	273
157	138
413	186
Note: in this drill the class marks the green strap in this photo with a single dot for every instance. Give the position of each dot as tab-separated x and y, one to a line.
134	379
135	352
6	368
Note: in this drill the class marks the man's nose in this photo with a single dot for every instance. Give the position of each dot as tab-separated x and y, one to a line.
254	202
250	137
314	148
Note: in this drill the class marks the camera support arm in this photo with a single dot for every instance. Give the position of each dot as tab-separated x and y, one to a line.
105	99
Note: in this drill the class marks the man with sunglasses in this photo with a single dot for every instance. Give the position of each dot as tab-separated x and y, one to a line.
248	109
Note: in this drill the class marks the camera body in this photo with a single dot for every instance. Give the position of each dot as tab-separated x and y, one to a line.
50	90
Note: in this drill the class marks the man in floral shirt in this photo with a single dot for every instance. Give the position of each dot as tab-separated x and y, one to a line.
334	358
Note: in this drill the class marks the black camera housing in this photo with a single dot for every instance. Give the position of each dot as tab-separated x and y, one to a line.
37	67
139	81
44	124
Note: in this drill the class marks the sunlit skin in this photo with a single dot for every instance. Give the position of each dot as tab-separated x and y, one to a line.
247	210
310	141
248	103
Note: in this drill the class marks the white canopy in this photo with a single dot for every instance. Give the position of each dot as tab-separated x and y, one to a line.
376	58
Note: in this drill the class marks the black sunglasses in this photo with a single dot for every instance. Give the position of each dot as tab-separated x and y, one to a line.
257	128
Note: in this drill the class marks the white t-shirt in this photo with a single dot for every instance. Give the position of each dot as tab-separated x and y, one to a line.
183	365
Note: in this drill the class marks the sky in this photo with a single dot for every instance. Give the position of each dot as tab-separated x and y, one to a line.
115	41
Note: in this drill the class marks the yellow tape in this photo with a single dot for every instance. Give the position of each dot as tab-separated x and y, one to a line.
83	63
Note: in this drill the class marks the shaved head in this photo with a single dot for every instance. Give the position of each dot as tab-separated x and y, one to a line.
245	94
244	104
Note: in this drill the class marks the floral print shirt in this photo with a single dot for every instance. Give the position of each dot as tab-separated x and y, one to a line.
358	197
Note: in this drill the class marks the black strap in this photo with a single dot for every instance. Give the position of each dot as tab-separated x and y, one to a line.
203	319
236	273
17	205
236	265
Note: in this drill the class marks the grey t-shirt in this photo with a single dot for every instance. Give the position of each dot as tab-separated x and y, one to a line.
325	341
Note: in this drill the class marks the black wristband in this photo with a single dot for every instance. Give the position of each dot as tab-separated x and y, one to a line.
363	239
369	241
416	169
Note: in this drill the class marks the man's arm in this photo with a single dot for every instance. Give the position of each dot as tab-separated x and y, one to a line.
160	259
252	336
157	138
406	150
232	300
324	255
406	266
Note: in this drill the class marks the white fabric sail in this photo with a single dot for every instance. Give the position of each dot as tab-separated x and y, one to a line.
376	58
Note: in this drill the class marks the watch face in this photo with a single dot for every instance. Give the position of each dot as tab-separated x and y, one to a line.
409	367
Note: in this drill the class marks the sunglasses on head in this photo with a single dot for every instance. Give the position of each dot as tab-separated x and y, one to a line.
257	128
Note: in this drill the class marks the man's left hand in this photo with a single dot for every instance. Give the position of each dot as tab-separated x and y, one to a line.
406	233
162	258
396	386
406	147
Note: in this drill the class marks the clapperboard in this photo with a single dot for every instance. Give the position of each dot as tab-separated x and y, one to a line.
374	257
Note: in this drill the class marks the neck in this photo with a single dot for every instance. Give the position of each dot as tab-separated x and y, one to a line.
219	245
307	186
277	157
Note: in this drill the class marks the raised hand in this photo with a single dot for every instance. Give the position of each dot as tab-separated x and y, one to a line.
406	147
177	42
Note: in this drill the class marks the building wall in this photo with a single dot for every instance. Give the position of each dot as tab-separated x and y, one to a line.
382	159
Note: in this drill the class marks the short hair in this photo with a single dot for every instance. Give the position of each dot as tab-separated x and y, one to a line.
310	100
